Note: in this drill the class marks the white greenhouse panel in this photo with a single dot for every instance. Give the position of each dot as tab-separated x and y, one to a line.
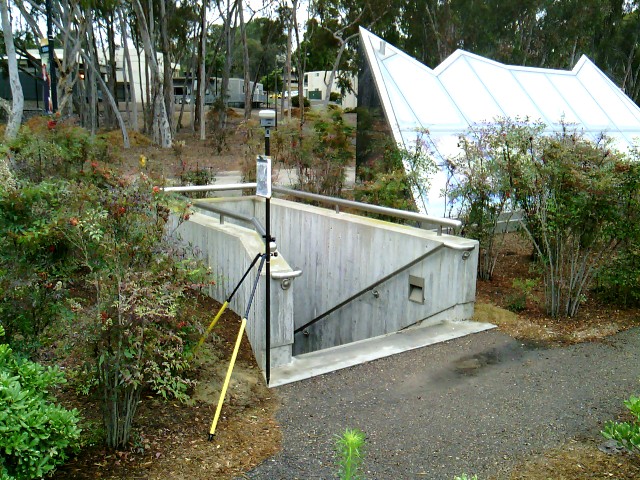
466	89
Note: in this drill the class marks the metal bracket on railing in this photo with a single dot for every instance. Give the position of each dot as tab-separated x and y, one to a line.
286	277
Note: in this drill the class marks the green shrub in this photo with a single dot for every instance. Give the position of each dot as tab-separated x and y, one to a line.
517	301
105	237
349	447
34	257
335	97
386	182
619	282
295	102
626	434
479	193
464	476
140	282
35	434
580	201
197	176
41	151
319	155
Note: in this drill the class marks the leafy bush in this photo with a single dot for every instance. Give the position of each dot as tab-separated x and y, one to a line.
579	199
33	257
349	447
385	181
198	176
140	282
335	97
478	192
517	301
105	237
44	149
36	435
295	102
619	281
319	156
626	434
464	476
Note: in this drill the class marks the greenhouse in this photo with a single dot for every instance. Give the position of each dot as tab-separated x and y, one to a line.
415	103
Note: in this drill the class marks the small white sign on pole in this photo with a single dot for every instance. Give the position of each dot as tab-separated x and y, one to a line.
263	176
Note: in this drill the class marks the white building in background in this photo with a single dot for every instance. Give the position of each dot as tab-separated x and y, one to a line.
315	88
138	65
466	89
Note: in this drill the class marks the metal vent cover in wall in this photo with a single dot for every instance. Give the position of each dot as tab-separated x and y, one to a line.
416	289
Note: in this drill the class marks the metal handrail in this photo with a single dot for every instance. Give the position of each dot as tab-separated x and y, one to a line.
404	267
368	287
212	188
336	202
223	212
392	212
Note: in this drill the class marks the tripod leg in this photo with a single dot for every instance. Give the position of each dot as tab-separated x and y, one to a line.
225	305
211	325
212	431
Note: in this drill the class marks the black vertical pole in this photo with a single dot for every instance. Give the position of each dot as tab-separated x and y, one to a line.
52	64
267	243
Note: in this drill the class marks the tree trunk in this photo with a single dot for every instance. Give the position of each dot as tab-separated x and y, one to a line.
166	64
203	81
160	124
298	62
336	64
245	62
133	120
288	69
90	75
111	61
226	71
17	97
112	102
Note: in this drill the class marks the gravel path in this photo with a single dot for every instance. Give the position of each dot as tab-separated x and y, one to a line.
473	405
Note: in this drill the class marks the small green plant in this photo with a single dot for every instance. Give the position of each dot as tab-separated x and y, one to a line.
198	176
37	435
464	476
295	102
626	434
517	300
349	447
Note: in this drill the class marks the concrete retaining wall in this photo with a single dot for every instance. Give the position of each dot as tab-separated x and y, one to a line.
229	250
342	255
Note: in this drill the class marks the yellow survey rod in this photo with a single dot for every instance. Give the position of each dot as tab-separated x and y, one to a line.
226	302
226	380
211	325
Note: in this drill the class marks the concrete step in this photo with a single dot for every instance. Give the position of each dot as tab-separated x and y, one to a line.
331	359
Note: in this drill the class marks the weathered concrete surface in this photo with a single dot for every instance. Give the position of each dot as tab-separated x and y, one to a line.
383	277
343	356
229	250
475	404
342	254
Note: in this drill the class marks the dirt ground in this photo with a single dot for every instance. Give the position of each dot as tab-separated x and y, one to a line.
170	439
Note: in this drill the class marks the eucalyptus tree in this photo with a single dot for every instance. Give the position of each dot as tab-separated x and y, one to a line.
341	18
160	127
14	110
228	15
